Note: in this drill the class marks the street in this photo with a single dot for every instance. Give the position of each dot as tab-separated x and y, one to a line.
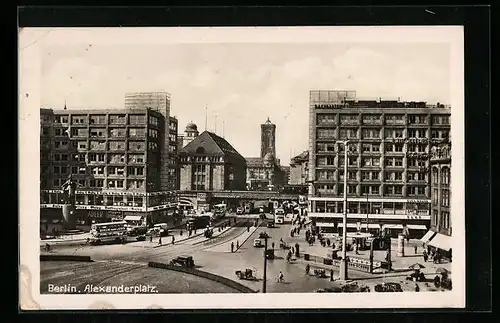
210	255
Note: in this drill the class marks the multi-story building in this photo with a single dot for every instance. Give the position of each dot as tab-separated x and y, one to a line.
439	235
173	153
210	163
265	172
388	161
114	155
159	102
299	169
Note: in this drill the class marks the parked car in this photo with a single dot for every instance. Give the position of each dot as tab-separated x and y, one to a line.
270	224
257	243
183	261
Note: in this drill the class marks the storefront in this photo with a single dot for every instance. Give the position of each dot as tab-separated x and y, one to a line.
441	243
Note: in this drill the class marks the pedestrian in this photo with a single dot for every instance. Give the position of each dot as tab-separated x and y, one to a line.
417	289
151	237
232	246
308	268
272	244
331	275
237	244
415	248
291	249
189	233
248	228
424	254
181	233
159	241
173	239
194	230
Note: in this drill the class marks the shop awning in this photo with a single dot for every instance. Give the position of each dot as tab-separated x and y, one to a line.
441	241
392	226
428	236
416	227
349	225
133	218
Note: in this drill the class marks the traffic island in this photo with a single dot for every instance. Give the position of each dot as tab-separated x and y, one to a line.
219	279
48	257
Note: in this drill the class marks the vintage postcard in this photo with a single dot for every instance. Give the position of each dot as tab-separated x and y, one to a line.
198	168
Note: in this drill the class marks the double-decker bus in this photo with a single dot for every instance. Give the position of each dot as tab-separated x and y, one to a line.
108	232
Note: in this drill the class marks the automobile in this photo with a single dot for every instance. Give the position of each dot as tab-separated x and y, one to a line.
239	210
183	261
270	254
270	224
257	243
263	235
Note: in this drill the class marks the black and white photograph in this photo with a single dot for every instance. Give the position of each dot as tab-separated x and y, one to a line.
295	167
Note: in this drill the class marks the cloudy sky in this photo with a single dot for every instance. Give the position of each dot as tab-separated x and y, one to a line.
242	83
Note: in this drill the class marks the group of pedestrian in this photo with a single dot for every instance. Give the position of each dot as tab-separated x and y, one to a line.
432	254
237	246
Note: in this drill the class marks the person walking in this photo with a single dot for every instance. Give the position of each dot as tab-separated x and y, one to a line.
237	244
159	241
331	275
151	238
424	254
173	239
415	248
272	245
308	268
232	246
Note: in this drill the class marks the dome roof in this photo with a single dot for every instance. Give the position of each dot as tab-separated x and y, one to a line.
269	157
191	127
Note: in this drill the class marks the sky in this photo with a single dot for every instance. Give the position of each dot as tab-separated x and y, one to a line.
241	84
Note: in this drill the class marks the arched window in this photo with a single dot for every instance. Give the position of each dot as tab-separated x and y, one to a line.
445	176
200	150
435	175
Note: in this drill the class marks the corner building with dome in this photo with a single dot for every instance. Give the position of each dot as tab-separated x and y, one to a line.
265	172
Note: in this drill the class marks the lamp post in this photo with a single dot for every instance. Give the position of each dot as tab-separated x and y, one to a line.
367	208
343	262
264	278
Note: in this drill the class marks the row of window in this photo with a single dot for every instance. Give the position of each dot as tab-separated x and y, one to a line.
369	161
101	145
370	189
201	159
377	119
98	170
101	119
443	220
112	158
331	133
444	198
372	148
445	176
102	183
369	175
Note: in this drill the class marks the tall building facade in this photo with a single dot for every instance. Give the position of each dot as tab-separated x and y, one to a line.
439	235
210	163
388	161
173	153
267	139
159	102
114	155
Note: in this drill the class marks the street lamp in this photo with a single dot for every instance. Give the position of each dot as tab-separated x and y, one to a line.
343	262
264	278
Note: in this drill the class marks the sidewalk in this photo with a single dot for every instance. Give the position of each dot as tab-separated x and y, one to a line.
399	264
81	237
167	241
